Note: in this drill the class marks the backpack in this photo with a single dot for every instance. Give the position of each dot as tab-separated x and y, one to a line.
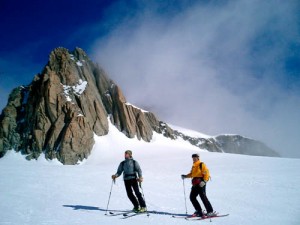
201	165
206	168
134	169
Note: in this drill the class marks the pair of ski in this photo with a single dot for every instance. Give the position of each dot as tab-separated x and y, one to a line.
127	214
190	217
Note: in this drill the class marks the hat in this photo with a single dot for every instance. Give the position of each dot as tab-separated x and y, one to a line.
129	152
195	155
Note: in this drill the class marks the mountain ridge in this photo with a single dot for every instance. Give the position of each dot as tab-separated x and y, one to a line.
71	100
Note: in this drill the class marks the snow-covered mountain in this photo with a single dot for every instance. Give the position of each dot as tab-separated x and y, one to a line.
73	100
252	189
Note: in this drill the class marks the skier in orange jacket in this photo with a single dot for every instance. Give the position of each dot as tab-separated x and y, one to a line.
200	176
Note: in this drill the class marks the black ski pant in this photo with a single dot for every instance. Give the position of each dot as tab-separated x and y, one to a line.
197	190
130	185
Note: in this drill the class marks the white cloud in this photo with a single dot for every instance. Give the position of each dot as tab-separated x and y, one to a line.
216	68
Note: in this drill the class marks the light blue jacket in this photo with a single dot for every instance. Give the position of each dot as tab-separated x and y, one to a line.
130	167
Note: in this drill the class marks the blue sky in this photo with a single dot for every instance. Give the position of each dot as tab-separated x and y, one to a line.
213	66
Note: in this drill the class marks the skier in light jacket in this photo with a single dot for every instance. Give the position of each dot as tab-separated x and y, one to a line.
132	174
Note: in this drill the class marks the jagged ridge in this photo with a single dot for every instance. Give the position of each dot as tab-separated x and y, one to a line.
70	100
63	107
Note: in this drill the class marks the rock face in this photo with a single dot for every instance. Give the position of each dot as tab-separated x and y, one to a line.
59	111
69	102
242	145
64	106
230	144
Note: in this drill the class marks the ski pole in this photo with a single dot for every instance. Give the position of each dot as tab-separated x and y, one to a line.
184	196
112	182
143	196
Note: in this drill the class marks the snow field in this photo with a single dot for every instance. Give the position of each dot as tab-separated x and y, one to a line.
253	190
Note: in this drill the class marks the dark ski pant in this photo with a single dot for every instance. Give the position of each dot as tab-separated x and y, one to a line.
197	190
130	185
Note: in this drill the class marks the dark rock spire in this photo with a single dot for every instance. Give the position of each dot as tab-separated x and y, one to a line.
72	100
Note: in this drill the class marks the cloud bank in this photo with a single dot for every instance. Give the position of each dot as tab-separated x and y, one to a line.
212	66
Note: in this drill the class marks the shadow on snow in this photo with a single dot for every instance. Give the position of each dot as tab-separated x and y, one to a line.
93	208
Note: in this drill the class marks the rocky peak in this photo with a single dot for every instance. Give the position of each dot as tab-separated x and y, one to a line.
69	102
64	106
242	145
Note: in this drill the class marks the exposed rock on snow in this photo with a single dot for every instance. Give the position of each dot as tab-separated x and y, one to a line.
71	100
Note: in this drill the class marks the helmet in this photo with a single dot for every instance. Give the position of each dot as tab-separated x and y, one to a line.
195	155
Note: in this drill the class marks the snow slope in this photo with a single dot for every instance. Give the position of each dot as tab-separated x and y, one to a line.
254	190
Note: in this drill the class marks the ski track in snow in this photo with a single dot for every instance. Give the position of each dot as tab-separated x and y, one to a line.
253	190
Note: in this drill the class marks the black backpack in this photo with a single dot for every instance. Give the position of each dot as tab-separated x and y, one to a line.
207	169
134	169
201	165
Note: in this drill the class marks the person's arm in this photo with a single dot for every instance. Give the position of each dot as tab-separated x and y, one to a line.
187	175
139	171
119	171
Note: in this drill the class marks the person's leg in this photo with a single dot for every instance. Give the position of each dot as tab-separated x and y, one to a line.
132	198
193	197
138	194
205	200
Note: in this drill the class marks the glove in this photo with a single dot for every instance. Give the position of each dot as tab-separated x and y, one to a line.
183	176
140	179
202	184
114	177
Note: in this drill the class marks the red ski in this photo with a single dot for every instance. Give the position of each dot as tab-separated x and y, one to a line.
206	217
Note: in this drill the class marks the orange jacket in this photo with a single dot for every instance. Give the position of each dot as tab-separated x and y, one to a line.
197	172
